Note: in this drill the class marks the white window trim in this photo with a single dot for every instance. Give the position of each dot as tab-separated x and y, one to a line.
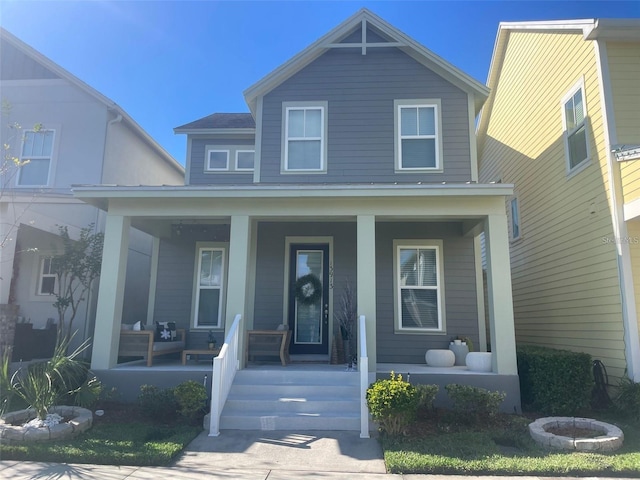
513	220
437	245
237	159
417	103
42	276
565	134
232	158
51	158
286	108
208	167
200	246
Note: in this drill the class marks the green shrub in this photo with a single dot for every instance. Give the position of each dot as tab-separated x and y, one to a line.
555	382
192	400
628	398
392	403
157	403
474	403
426	396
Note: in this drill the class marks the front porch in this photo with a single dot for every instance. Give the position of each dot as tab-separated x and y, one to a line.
168	372
229	260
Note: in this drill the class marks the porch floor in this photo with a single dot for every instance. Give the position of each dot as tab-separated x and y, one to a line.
165	364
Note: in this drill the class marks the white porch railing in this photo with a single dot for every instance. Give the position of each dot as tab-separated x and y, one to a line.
225	366
363	366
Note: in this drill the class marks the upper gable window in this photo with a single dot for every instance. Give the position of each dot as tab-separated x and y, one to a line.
37	152
228	158
305	137
575	128
418	143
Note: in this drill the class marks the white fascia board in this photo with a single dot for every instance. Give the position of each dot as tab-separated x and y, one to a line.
215	131
320	46
297	191
631	210
110	104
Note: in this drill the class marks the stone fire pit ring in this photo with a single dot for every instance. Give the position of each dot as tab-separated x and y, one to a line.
12	431
611	437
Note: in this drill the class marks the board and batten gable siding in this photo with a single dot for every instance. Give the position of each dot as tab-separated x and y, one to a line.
197	173
624	72
461	302
565	281
360	91
270	274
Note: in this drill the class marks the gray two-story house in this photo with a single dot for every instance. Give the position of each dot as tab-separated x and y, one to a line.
356	164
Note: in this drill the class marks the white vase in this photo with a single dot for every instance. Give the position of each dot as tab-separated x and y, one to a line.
479	361
440	358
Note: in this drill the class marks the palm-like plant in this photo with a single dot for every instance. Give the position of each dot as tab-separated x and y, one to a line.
43	384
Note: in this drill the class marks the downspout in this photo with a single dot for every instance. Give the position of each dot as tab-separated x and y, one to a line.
623	254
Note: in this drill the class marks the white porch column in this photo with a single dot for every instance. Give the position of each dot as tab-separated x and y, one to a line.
239	249
111	294
366	286
503	339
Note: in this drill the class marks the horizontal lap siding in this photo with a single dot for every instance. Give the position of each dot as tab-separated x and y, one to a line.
174	287
360	91
198	176
633	229
460	290
624	70
270	274
565	280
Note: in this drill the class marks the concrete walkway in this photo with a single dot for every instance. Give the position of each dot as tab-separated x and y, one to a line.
248	455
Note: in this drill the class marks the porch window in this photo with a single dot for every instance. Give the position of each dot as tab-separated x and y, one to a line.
48	279
305	137
209	287
37	151
419	287
575	128
417	135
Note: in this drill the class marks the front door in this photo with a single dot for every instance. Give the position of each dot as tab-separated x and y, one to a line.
309	298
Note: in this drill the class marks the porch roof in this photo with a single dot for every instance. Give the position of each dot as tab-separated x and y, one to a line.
99	195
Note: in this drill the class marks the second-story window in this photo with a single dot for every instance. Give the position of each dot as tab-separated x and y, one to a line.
37	152
218	160
575	128
304	138
417	138
245	159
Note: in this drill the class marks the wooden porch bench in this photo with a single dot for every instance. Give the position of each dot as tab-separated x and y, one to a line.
268	343
135	343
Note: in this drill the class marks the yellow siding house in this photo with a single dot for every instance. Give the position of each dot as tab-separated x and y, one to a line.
562	123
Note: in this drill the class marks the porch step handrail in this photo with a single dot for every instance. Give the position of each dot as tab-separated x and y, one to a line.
225	366
363	366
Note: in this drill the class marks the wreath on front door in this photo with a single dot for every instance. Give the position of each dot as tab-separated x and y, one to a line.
308	289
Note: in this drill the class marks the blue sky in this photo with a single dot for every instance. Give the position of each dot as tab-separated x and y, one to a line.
168	62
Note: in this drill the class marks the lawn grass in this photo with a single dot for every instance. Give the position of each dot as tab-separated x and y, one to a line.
143	444
504	449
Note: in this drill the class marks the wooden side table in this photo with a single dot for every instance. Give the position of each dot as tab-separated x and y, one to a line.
197	352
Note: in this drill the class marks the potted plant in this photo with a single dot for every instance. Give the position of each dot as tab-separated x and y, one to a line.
211	341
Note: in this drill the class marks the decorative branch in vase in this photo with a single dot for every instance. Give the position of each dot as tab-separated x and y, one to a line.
346	316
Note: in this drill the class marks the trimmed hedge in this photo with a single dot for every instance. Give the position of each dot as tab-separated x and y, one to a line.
554	382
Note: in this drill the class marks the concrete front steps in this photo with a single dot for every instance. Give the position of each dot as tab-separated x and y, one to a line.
290	398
